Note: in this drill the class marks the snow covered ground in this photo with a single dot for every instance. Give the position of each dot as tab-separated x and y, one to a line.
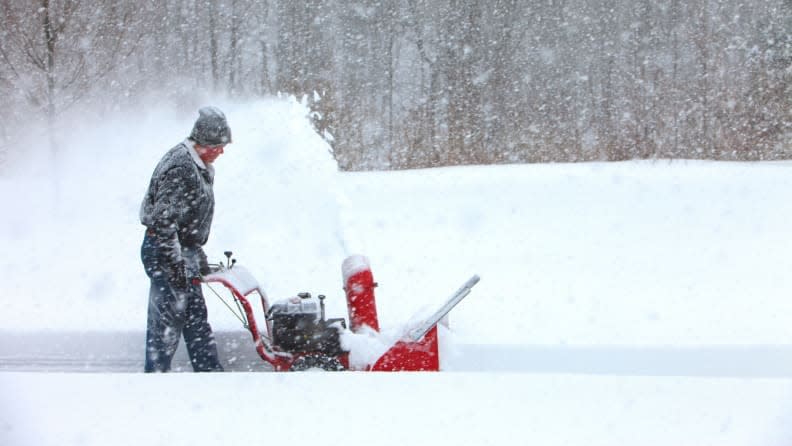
638	257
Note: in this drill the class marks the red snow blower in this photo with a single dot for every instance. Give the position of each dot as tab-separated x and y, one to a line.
298	336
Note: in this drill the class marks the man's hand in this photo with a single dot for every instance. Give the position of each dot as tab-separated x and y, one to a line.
203	264
178	275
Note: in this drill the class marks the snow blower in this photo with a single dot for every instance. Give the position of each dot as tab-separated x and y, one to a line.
297	335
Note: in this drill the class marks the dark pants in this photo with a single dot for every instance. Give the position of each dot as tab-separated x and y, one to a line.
174	311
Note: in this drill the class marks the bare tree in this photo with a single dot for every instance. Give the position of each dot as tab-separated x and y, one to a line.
415	83
55	50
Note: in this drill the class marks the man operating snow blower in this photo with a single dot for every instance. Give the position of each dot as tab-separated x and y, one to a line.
177	212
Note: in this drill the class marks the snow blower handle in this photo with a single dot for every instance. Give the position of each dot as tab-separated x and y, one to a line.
229	261
322	306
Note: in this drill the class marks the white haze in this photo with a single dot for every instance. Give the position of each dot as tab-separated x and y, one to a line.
640	254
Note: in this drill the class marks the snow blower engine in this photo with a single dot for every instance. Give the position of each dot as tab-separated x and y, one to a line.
299	326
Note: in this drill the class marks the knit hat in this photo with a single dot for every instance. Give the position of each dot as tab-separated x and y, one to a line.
211	128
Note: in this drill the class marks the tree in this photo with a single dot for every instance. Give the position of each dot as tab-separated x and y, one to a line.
53	51
417	83
770	92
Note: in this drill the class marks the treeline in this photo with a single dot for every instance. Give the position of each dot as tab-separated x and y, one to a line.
414	83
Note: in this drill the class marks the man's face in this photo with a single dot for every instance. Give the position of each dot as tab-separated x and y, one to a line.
209	153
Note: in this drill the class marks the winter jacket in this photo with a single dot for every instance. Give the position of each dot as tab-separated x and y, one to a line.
179	206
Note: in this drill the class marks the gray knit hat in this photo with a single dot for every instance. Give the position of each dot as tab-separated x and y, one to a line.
211	128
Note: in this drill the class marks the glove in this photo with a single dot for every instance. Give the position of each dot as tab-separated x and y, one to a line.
178	275
203	264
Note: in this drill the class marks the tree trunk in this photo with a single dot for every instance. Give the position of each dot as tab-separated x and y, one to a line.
49	69
213	50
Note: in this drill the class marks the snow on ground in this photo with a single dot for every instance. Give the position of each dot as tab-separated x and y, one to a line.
637	254
357	408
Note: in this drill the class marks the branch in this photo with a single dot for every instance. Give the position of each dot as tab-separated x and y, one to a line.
30	95
5	57
68	12
115	51
35	59
79	71
18	38
419	38
101	70
19	85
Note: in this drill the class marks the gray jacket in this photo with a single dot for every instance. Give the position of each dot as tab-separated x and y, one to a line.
179	205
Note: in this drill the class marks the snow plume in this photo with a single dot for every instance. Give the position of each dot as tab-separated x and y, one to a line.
72	237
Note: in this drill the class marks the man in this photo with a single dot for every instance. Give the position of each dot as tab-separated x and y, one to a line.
177	212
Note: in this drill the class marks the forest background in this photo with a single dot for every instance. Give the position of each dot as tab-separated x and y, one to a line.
396	84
